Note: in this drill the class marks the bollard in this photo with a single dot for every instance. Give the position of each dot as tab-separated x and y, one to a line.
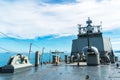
87	77
117	65
37	57
78	59
66	59
71	59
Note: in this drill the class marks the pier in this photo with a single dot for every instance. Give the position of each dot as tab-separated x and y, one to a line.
66	72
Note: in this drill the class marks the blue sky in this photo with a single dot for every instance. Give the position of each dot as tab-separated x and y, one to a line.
53	23
50	43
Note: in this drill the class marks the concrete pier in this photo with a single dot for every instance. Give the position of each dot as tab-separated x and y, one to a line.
66	72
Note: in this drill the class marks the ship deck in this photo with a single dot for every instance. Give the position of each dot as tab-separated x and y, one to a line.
65	72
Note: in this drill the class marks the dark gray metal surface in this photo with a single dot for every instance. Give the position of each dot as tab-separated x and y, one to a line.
66	72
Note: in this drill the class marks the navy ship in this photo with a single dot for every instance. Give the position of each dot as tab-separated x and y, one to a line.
91	36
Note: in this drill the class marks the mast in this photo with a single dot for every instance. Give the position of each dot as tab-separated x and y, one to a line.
30	50
89	30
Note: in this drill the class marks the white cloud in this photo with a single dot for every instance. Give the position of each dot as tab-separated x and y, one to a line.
28	18
116	42
116	45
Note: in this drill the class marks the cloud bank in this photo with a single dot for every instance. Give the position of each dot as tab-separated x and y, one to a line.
33	18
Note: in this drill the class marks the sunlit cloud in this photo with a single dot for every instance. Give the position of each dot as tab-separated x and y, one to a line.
33	18
116	43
